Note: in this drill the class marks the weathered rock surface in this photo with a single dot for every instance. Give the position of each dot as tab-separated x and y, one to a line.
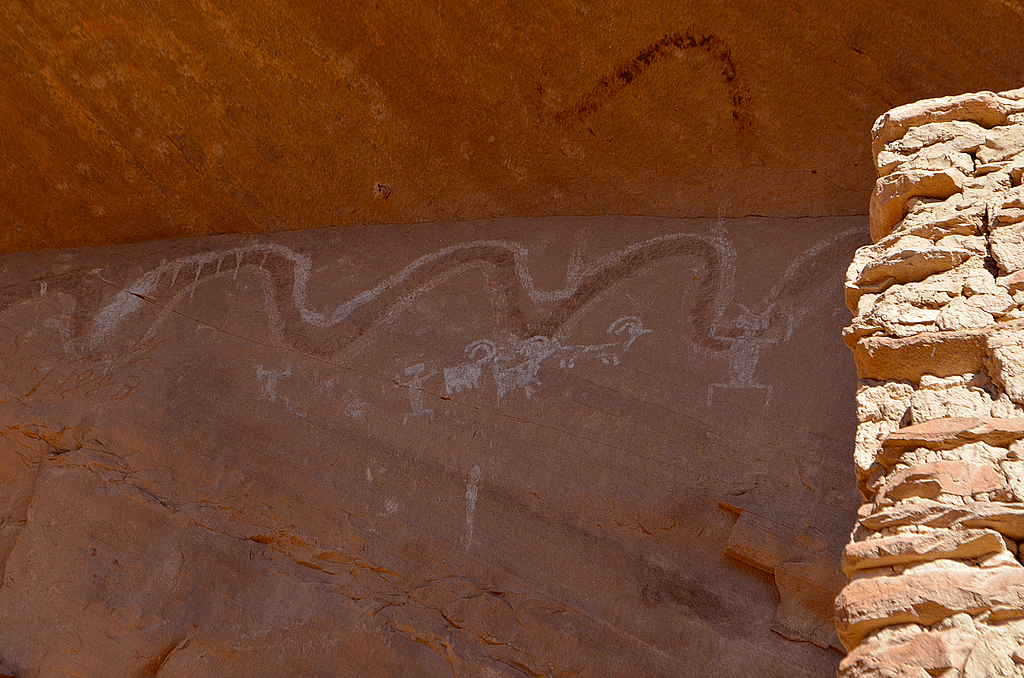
912	548
489	449
942	478
130	121
926	597
1005	518
889	200
949	432
937	588
958	646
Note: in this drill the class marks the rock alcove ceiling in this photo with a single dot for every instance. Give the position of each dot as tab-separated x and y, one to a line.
126	121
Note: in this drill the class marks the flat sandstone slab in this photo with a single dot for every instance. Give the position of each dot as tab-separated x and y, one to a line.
490	447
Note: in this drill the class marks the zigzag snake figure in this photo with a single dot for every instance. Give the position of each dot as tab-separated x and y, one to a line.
330	331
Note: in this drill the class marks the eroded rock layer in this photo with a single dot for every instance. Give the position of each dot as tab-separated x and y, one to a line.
937	585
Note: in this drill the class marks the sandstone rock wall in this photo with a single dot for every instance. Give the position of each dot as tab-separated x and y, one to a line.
936	581
494	449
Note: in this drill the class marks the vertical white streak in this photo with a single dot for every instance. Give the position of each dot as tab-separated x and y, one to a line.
195	282
471	494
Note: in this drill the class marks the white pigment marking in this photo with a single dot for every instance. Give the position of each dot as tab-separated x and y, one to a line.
744	351
195	282
516	362
111	316
268	381
471	495
355	407
415	386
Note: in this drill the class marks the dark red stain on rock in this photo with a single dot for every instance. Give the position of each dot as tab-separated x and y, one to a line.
609	86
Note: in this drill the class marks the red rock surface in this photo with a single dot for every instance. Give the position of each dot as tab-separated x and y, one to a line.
197	480
306	454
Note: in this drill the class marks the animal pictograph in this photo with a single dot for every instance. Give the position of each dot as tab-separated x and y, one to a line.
514	363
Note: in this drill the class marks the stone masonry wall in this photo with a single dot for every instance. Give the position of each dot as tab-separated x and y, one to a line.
936	582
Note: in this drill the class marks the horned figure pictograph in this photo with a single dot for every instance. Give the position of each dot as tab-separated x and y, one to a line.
741	341
744	352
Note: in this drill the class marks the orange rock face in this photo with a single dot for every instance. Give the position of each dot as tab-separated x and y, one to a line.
517	448
130	121
551	443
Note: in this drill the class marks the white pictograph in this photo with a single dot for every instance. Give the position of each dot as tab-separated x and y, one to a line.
513	359
513	363
355	407
419	376
472	488
159	282
744	352
268	381
772	321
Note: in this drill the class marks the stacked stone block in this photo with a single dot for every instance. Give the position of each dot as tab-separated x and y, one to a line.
936	582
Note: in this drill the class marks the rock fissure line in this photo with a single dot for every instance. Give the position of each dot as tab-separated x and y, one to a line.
936	581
